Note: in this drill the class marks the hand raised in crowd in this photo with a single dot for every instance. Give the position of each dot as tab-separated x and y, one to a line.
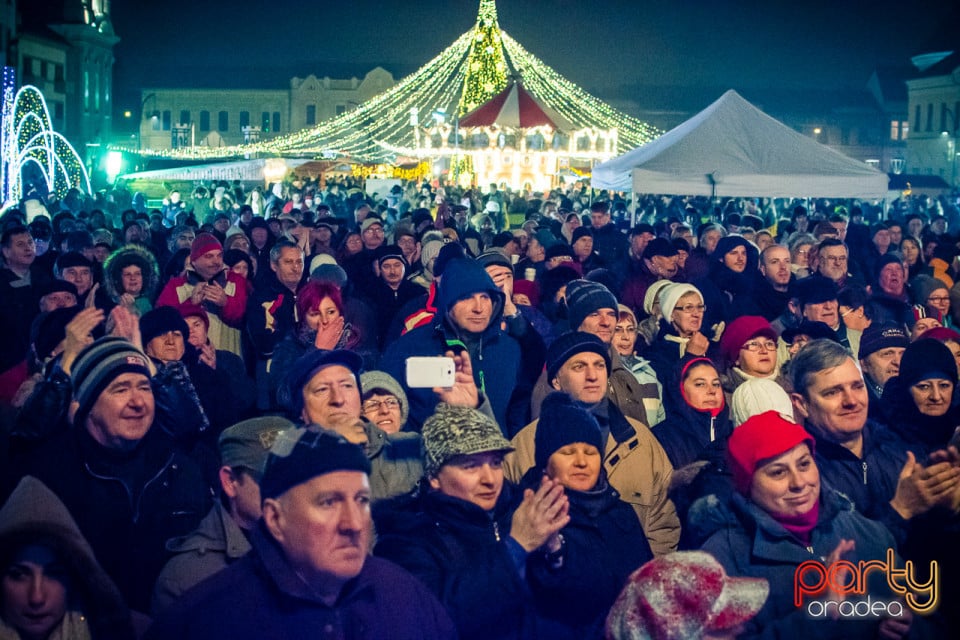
949	455
896	628
208	355
698	344
329	335
541	515
125	324
503	279
842	575
79	333
214	293
464	392
127	300
91	300
920	488
198	293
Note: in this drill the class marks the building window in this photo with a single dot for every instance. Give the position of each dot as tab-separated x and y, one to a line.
930	117
244	119
58	112
916	118
341	109
904	129
166	120
106	91
311	114
223	121
894	129
276	122
86	90
265	121
96	92
204	121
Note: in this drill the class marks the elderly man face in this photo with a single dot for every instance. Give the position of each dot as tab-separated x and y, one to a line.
331	399
324	527
833	262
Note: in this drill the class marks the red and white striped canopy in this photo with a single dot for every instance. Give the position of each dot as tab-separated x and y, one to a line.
512	108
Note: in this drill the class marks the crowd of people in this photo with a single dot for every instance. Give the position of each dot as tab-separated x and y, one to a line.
659	413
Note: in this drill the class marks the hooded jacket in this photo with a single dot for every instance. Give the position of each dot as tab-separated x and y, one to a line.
132	255
726	292
687	433
35	515
495	356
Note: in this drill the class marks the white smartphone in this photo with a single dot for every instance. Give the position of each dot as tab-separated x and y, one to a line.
430	372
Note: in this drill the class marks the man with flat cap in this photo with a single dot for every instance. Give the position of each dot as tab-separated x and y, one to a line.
309	573
221	538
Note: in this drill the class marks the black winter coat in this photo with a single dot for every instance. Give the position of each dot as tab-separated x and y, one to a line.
603	544
461	554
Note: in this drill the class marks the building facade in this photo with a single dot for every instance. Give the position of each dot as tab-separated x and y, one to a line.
65	49
934	108
176	118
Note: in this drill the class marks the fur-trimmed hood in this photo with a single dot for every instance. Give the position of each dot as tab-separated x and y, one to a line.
131	254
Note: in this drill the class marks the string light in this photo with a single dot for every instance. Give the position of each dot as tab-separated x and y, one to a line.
462	77
28	138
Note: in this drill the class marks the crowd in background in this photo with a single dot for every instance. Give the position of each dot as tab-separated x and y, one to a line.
771	381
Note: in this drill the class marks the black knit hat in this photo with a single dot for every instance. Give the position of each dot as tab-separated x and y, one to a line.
569	345
98	365
562	422
160	321
580	232
926	359
813	290
388	252
584	297
299	455
72	259
558	249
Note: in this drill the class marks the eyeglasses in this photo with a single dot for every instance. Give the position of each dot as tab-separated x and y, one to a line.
627	329
692	308
374	405
757	345
938	299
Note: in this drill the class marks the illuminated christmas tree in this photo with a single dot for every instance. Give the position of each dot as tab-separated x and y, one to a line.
486	64
463	76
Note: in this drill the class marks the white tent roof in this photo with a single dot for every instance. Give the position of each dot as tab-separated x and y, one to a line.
744	152
247	170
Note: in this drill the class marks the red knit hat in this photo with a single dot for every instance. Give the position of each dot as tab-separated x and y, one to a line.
761	438
741	330
203	243
683	595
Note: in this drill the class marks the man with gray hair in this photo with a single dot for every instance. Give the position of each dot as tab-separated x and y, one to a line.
309	571
855	455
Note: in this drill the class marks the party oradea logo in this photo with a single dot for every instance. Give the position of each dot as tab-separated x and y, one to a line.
824	590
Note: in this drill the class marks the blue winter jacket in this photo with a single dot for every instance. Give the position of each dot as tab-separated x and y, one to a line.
494	354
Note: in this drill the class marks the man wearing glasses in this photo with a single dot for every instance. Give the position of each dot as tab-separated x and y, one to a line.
834	263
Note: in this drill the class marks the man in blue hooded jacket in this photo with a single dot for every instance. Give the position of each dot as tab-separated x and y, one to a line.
469	315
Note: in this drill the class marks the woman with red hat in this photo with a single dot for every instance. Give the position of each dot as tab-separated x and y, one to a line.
780	517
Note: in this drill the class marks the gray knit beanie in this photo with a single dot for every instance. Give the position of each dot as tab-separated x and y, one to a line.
458	431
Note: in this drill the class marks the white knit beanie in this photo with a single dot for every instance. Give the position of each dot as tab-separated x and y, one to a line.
756	396
671	294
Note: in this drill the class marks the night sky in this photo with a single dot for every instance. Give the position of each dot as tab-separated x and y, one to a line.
608	47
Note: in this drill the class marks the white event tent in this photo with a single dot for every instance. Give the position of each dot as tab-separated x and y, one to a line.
731	148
